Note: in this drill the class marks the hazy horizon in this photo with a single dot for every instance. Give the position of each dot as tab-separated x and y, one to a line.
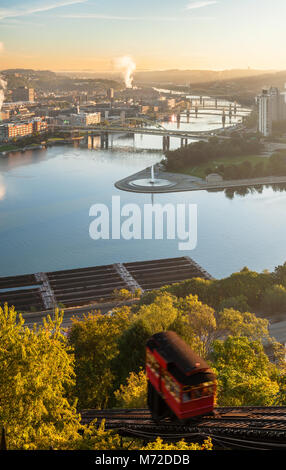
139	70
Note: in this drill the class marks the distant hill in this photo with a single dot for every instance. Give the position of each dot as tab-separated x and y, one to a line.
183	77
242	89
45	80
238	84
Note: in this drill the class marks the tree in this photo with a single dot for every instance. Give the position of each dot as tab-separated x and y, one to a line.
245	374
280	274
237	303
95	343
36	380
148	320
134	393
95	437
233	322
274	300
159	444
200	322
160	313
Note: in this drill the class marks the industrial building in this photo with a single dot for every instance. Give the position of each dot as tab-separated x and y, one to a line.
80	119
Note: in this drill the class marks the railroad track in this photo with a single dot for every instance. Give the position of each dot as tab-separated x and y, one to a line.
231	427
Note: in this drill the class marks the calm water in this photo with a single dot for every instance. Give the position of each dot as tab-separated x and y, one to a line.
45	198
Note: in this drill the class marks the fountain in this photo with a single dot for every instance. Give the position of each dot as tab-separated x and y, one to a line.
151	182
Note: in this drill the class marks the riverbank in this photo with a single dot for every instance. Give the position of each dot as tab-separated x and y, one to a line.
179	182
6	149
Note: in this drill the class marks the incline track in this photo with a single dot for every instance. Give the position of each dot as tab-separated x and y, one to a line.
232	427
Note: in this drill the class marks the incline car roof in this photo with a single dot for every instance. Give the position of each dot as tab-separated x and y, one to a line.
176	352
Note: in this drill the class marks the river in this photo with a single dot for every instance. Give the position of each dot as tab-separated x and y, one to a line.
46	195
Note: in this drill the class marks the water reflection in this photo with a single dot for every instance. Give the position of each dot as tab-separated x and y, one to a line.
2	187
258	189
13	160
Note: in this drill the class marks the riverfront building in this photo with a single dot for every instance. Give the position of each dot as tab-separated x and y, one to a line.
16	130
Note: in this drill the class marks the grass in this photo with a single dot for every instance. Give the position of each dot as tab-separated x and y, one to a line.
199	171
7	147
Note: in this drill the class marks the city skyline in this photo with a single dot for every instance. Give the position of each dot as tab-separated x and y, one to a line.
91	34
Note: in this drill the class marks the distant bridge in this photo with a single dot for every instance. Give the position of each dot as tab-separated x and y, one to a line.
136	130
135	125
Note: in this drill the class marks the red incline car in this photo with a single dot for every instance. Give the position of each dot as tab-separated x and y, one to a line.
180	382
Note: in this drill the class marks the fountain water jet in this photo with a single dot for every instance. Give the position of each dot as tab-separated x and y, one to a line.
151	183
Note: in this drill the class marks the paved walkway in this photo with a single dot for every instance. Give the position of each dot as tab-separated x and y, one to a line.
181	182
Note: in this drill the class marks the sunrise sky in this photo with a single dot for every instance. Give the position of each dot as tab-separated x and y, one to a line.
157	34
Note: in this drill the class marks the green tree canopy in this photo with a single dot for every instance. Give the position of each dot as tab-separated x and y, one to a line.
245	374
95	344
134	393
36	379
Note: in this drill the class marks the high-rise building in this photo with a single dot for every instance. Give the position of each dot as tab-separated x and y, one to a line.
264	113
271	107
110	93
23	94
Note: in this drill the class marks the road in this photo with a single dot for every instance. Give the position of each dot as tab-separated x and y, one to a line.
278	331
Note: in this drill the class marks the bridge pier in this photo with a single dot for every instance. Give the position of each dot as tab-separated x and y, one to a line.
188	116
223	120
93	141
104	140
89	141
166	143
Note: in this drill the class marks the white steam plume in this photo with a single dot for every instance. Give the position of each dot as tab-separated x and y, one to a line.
128	67
3	86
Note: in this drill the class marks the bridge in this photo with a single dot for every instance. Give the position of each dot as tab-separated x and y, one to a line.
104	131
203	113
136	130
143	126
